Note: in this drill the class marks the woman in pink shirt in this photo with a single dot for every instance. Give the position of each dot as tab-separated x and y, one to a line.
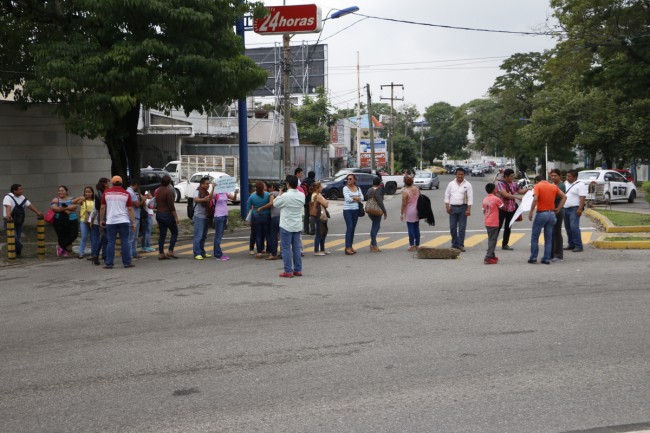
409	212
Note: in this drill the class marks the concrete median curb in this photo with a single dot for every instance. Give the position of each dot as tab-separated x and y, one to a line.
610	230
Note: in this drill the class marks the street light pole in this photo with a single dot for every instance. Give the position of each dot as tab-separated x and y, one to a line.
286	94
286	89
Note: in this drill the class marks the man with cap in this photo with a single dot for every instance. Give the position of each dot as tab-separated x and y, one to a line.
116	214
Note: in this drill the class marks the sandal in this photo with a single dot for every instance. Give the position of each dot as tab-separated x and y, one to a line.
162	257
171	255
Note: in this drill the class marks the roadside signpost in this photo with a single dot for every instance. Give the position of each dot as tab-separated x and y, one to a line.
290	19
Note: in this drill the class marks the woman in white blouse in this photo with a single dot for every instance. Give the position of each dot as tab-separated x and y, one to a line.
353	199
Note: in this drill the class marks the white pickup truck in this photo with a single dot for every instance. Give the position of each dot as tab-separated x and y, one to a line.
391	183
186	188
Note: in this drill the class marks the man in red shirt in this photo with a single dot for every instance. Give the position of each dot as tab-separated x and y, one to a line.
544	196
115	214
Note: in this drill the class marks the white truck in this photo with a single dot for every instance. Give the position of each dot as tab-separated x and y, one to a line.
182	170
189	164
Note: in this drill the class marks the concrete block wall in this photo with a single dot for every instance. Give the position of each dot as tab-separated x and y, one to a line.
37	152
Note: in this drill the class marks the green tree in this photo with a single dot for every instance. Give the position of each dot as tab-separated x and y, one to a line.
313	118
447	133
100	61
605	58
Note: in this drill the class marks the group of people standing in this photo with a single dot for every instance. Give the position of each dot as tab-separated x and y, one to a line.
553	202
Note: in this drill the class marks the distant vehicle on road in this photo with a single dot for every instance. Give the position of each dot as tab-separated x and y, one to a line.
615	186
333	188
426	179
150	179
437	170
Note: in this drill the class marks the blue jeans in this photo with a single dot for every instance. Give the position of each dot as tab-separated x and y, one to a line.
219	228
200	234
18	230
85	231
572	226
166	222
546	221
262	224
291	245
414	233
147	225
457	225
124	229
133	238
374	229
319	242
351	216
272	248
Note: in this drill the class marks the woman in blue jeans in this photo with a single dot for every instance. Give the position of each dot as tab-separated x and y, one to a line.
260	203
377	193
353	197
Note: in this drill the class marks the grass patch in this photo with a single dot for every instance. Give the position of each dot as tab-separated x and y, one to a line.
627	238
624	219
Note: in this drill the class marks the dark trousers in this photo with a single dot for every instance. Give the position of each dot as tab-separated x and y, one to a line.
166	222
505	217
66	230
558	242
262	223
493	237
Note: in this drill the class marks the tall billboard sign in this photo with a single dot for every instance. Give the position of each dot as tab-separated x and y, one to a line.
289	19
365	153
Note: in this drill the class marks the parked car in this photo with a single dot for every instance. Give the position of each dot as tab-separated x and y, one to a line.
186	188
150	179
333	188
477	171
355	170
426	179
616	187
437	170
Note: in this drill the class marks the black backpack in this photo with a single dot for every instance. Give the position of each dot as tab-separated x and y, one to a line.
18	213
190	207
424	210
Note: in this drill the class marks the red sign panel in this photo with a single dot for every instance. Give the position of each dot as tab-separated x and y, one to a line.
289	19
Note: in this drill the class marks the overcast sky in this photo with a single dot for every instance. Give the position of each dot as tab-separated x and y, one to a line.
433	64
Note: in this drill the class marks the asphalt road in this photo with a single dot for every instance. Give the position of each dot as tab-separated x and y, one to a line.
368	343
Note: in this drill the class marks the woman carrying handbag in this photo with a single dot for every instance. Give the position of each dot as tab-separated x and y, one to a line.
375	209
353	200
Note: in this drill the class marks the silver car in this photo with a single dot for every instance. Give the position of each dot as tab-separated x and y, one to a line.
426	179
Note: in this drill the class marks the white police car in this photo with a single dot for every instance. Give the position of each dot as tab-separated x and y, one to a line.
612	185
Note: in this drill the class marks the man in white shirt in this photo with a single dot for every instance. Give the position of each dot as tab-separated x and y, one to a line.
459	198
115	214
10	201
576	193
292	203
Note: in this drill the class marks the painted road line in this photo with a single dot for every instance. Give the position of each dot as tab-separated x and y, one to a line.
396	244
475	240
514	238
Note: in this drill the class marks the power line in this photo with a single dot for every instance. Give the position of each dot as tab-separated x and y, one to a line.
472	29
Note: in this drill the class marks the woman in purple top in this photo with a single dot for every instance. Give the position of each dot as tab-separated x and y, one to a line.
221	220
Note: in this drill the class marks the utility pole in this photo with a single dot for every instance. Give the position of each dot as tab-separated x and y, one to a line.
391	140
286	151
373	164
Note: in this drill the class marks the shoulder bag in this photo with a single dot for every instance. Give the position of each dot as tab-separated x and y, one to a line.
372	206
